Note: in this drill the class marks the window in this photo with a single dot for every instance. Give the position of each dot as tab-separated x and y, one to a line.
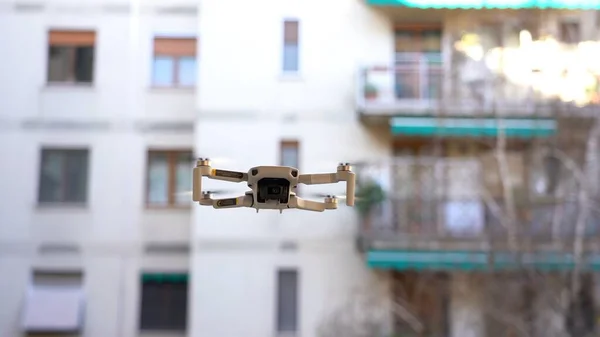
289	154
169	178
581	315
54	304
418	57
71	56
291	62
63	176
570	32
415	41
174	62
164	302
287	300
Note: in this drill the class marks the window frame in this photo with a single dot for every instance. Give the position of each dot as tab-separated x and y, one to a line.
278	300
285	43
407	79
283	144
568	27
172	156
71	44
169	294
418	31
64	175
176	58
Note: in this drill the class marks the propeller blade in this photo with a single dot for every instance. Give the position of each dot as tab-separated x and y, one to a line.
216	161
325	195
222	160
334	164
184	193
222	192
390	196
212	192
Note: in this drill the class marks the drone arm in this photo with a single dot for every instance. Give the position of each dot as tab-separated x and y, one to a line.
231	176
242	201
309	205
318	178
207	171
329	178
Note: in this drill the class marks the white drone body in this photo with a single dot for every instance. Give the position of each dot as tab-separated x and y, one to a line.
272	187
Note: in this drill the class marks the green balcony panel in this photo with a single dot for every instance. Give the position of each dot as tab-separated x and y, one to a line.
491	4
472	127
474	261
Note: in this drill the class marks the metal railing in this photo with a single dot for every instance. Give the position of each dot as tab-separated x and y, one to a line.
448	199
417	82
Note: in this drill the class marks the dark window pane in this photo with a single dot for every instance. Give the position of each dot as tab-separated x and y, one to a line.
407	41
163	304
76	171
432	40
63	176
50	189
60	63
84	64
287	301
570	32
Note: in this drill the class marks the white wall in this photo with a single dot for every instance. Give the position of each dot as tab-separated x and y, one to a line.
242	57
241	95
111	231
246	107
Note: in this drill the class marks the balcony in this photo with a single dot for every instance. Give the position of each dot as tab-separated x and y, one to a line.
420	84
417	86
456	204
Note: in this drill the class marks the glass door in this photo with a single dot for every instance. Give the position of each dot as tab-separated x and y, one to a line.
418	62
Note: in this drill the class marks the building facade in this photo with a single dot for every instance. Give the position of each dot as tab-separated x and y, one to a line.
101	127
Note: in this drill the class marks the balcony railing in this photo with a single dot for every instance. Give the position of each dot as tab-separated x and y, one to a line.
421	84
436	200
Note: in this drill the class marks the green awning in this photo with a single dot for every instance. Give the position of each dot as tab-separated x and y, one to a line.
472	127
164	278
470	261
490	4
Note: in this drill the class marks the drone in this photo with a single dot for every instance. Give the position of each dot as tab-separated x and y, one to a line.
272	187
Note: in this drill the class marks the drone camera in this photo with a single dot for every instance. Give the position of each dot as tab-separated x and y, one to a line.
277	189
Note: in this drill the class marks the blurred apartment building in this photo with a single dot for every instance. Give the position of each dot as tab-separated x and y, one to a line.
105	104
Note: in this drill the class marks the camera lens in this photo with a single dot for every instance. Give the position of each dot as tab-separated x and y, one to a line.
275	189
